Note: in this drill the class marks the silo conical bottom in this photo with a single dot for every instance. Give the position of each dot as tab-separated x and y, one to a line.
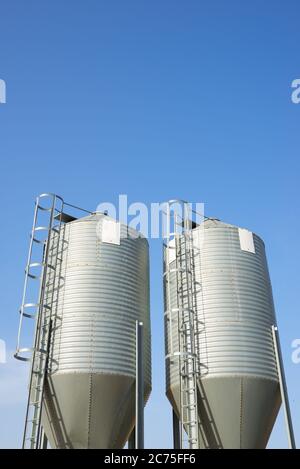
234	412
88	410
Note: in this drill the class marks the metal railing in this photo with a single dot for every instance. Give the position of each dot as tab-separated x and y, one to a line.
178	249
41	269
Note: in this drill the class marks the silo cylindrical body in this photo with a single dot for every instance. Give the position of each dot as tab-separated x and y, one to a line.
101	290
238	393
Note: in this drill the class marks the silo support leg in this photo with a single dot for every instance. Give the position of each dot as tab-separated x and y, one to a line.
176	431
139	391
283	388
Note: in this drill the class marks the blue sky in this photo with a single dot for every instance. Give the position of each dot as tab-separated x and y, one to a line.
157	100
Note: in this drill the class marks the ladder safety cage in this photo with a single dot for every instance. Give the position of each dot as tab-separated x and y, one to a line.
179	274
43	281
44	257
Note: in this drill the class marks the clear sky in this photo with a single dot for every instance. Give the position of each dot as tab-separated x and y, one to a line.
155	99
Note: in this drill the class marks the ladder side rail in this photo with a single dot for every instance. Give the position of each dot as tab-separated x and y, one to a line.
37	323
168	282
191	390
186	317
180	307
40	349
183	311
58	256
38	435
195	306
37	338
45	339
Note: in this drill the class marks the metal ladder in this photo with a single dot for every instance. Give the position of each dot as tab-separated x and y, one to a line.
179	239
46	240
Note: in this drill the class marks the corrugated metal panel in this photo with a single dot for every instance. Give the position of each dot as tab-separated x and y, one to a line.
105	289
234	306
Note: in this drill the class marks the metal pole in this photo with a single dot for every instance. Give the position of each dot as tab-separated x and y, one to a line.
131	440
176	431
283	388
139	390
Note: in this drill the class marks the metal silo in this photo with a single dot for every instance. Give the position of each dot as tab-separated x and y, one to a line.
222	365
94	295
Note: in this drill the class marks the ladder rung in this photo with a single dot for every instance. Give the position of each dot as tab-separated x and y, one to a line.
188	406
190	422
188	391
42	352
30	438
34	277
33	421
38	387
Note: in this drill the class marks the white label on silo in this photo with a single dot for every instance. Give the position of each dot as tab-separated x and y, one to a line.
110	232
172	250
246	240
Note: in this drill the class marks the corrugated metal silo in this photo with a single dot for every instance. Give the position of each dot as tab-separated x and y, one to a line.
103	289
237	387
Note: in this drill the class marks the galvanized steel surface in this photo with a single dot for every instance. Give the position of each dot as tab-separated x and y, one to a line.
235	312
234	304
104	289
